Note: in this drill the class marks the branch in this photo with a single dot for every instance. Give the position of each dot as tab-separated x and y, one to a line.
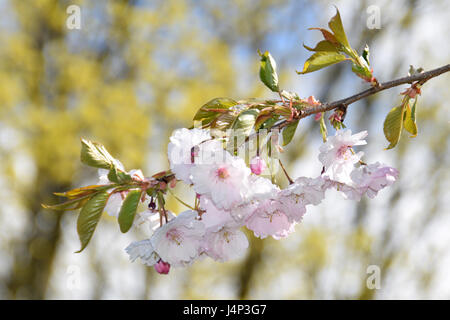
421	78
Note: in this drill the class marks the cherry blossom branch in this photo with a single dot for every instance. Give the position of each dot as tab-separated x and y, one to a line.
420	78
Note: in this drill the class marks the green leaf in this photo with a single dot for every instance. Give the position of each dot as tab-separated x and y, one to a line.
336	26
224	121
128	210
268	71
362	69
393	125
269	123
289	131
323	45
410	120
245	121
89	216
321	60
210	110
118	176
323	127
95	155
264	115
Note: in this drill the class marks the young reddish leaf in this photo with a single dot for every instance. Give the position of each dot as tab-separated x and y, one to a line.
321	60
89	216
336	26
213	108
128	210
72	204
75	193
262	117
161	174
327	35
323	45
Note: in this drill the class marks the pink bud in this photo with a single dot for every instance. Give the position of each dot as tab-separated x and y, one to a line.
162	267
318	116
335	116
257	165
312	101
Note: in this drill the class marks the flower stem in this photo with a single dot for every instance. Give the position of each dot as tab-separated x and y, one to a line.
181	201
285	172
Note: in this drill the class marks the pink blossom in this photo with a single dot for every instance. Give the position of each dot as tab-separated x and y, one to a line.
225	183
162	267
367	179
241	212
225	244
261	189
292	206
372	178
337	157
214	219
269	220
257	165
177	242
309	190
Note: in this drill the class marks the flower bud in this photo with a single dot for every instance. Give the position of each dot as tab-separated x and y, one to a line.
318	116
162	267
257	165
312	101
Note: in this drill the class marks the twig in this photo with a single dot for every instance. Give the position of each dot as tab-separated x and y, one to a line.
420	77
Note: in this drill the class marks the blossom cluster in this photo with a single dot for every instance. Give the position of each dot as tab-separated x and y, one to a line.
232	195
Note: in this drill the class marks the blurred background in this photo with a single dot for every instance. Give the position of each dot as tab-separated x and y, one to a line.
136	70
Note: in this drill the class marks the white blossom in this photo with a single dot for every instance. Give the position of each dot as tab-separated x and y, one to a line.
309	190
225	183
338	158
144	251
269	220
225	244
178	241
180	150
